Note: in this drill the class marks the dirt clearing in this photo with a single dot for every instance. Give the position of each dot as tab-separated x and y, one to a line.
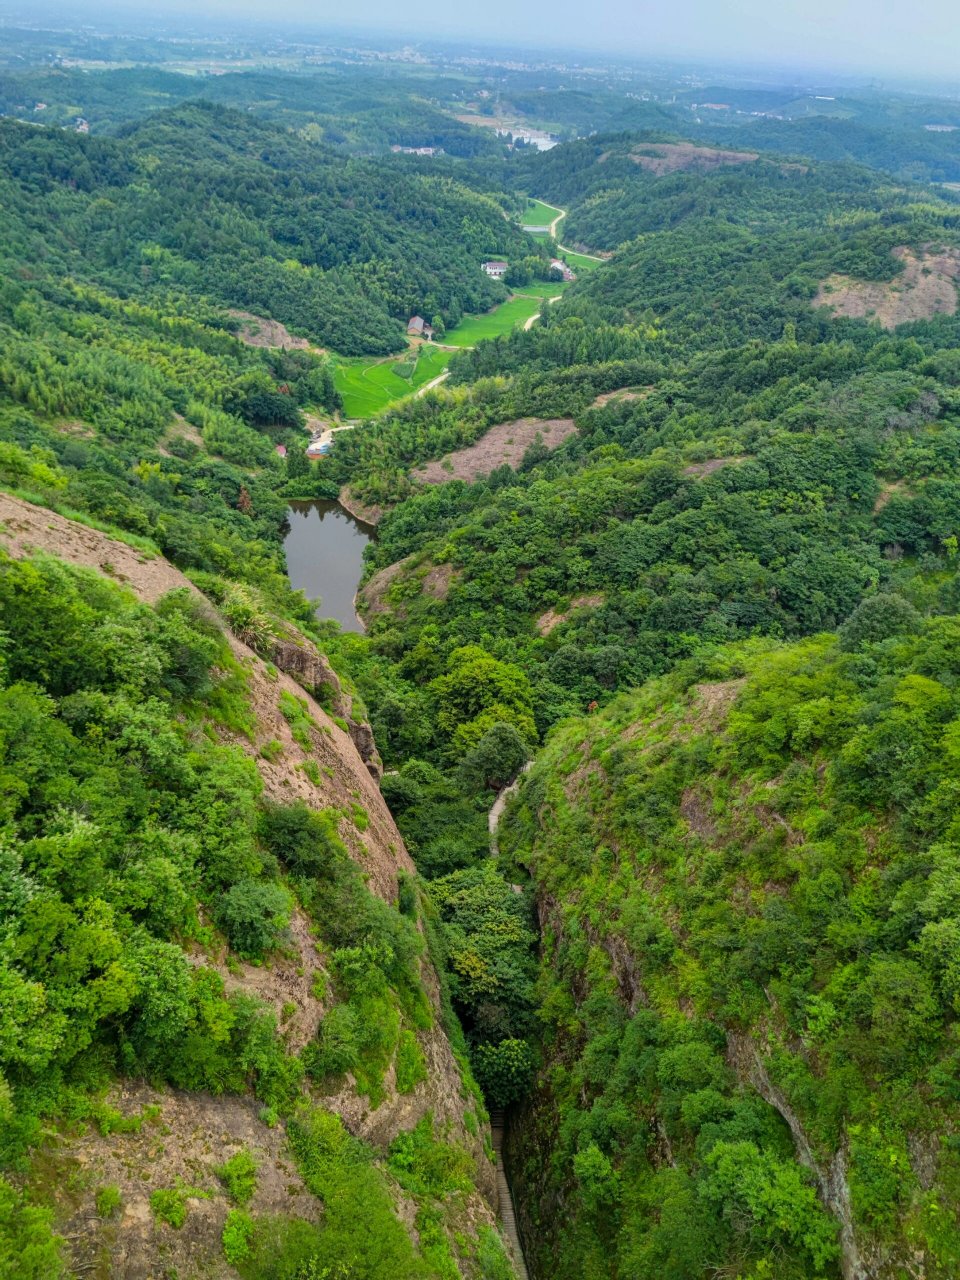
925	287
258	331
623	396
671	157
502	445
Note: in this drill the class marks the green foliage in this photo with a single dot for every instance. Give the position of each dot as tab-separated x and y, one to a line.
426	1166
305	840
772	1201
294	711
487	938
108	1201
492	1261
503	1070
239	1176
237	1234
478	693
255	916
496	759
409	1065
28	1247
168	1204
338	1168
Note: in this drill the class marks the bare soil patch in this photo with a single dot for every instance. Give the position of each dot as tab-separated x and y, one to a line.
183	430
553	617
695	811
258	331
710	703
192	1134
504	444
623	396
887	492
670	157
74	427
700	469
365	512
925	287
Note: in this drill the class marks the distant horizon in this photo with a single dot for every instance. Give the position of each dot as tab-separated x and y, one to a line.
792	43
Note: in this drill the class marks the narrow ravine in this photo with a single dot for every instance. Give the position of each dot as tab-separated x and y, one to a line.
508	1214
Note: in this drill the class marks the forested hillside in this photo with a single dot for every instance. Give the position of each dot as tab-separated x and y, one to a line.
202	200
686	546
745	878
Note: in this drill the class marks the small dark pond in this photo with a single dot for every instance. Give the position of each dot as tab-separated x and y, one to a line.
325	558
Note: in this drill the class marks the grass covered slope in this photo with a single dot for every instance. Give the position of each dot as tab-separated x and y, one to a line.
747	876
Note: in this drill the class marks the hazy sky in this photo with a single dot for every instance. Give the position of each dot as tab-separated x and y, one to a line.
919	36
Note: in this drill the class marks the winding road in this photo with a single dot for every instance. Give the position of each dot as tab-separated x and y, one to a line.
563	248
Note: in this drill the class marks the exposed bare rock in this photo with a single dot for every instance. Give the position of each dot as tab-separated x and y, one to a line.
190	1134
434	580
366	513
285	982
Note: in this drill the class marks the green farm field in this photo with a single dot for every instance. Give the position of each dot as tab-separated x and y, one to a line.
367	386
580	261
545	288
538	214
516	310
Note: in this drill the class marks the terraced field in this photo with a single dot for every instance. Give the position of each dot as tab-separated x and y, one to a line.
368	385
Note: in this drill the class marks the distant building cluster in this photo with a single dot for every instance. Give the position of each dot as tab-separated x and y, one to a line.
496	270
559	265
416	151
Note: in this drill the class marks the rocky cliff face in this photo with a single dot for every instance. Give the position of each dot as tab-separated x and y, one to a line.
327	760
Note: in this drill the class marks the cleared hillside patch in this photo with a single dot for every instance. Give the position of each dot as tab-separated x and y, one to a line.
504	444
258	331
926	286
672	157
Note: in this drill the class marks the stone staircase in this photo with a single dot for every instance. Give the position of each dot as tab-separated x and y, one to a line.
507	1216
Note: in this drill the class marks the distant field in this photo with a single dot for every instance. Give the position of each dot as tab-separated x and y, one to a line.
580	262
368	385
500	320
545	288
538	214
